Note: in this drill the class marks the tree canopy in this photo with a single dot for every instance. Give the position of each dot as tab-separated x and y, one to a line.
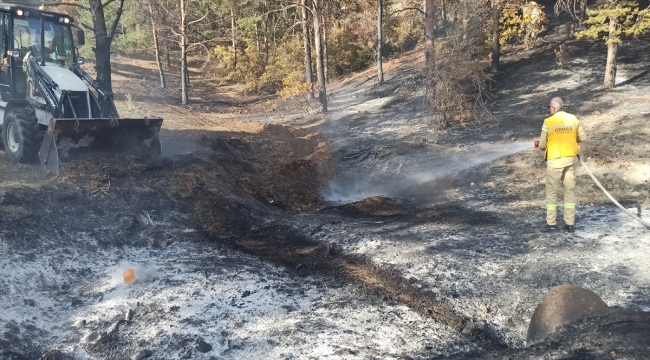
297	46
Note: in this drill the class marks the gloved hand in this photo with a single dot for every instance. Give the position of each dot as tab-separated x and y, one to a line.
536	143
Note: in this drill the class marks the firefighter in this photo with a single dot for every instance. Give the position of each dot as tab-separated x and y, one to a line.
560	136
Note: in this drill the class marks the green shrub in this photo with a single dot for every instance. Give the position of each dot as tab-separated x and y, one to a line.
346	54
284	61
250	66
137	40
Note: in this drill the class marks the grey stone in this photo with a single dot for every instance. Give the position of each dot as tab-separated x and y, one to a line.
144	354
563	305
93	336
203	347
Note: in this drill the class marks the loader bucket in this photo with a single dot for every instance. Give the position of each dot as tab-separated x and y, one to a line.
74	139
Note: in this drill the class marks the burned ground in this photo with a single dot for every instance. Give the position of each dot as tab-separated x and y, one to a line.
366	233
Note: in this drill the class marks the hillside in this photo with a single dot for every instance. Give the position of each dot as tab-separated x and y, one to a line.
267	230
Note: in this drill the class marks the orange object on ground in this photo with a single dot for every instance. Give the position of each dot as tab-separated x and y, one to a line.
129	276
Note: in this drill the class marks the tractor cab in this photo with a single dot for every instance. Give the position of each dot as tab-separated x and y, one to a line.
46	37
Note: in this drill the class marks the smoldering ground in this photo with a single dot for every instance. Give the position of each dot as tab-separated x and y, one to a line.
247	260
368	172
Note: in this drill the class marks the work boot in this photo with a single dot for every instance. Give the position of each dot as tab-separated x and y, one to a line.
569	228
549	228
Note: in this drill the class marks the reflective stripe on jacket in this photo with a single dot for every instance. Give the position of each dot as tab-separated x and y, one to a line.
562	135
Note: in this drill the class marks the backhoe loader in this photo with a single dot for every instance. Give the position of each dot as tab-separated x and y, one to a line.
50	108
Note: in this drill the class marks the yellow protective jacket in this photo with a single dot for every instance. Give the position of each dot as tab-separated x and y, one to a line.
561	134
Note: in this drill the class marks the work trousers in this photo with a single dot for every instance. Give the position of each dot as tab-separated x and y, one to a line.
560	170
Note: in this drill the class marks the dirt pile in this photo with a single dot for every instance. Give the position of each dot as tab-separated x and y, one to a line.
276	167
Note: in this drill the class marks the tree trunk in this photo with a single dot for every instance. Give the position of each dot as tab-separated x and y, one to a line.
309	76
183	33
103	63
610	69
306	34
156	43
429	28
380	70
583	12
234	39
496	35
184	85
103	40
169	61
266	36
320	70
443	13
324	42
187	71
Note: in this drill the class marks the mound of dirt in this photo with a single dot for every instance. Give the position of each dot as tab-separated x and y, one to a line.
285	168
377	206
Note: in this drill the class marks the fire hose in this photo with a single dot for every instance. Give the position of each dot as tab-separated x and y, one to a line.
645	223
611	198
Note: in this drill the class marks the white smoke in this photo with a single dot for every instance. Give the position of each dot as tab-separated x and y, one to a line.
406	174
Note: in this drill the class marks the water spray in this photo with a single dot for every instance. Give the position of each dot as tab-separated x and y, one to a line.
408	174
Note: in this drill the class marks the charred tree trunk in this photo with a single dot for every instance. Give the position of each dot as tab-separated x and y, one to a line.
582	16
324	42
168	57
443	13
103	62
318	44
429	28
306	34
496	35
103	39
156	43
380	70
610	69
183	44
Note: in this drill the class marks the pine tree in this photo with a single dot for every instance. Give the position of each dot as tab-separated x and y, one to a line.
609	22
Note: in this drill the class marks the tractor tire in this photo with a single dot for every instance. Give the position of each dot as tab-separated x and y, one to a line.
20	135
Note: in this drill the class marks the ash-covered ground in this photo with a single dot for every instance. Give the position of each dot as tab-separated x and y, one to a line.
365	233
